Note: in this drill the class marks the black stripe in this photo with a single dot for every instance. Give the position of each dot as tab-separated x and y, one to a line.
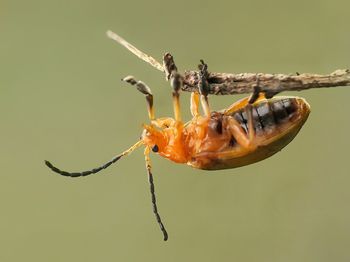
273	113
289	104
266	116
259	120
244	121
238	115
279	111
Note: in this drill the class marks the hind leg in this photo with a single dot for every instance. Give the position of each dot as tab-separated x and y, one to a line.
256	96
243	139
258	92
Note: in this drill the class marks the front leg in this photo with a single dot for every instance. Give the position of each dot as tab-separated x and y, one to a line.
144	89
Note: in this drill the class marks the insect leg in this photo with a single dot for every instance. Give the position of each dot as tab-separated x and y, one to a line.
97	169
240	136
204	87
176	82
153	195
249	107
194	104
249	111
144	89
258	93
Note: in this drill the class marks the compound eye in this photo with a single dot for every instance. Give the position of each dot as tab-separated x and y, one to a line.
155	149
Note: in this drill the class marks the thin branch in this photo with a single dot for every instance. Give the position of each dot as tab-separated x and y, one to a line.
135	51
228	84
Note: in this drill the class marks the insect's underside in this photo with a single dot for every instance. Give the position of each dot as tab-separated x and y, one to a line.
248	131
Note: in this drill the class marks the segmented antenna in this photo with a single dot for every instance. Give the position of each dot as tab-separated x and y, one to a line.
155	209
95	170
84	173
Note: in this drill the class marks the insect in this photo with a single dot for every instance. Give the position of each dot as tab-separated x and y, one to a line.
248	131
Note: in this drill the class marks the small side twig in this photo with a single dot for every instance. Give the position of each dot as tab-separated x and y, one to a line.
135	51
228	84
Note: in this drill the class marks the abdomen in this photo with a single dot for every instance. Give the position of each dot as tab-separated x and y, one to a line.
270	115
276	122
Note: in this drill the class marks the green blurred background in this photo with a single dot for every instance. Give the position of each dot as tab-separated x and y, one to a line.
61	99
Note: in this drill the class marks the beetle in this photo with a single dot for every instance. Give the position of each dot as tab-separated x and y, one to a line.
248	131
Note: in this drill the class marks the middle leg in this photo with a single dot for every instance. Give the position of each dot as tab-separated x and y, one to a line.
194	104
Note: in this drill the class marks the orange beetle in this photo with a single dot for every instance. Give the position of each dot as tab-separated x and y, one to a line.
248	131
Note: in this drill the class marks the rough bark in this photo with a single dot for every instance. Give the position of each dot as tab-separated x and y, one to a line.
228	84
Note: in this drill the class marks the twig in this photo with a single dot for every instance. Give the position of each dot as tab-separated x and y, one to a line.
228	84
135	51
